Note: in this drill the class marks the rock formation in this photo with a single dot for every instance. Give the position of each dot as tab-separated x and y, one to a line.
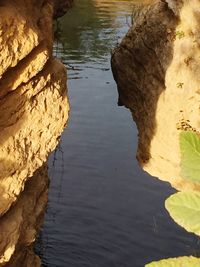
21	223
157	68
61	7
33	112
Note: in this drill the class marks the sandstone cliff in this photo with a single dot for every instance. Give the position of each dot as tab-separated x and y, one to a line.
33	112
157	68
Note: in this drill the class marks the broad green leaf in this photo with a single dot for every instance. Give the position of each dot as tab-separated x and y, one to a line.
184	208
176	262
190	156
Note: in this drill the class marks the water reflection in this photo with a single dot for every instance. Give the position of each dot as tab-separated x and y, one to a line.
101	23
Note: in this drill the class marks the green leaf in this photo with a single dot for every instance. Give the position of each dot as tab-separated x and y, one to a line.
184	208
176	262
190	156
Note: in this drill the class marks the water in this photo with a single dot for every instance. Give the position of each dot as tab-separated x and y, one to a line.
103	211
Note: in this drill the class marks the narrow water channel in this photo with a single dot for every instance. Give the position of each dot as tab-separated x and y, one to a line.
103	210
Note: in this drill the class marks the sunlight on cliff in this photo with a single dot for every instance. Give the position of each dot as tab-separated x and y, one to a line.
182	87
163	89
34	109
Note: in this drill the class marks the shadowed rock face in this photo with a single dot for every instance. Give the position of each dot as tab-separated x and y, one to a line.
33	112
156	68
21	223
139	65
61	6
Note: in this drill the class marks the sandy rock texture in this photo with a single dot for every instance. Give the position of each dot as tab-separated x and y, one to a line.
21	223
33	113
157	69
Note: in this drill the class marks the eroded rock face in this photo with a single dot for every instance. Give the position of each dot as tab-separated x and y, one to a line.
21	223
157	68
33	112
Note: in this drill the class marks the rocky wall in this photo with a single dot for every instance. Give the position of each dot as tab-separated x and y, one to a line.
157	68
33	113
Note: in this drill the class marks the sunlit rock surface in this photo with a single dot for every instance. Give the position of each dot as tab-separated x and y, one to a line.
33	112
157	70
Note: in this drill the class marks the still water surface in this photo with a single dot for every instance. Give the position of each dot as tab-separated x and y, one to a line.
103	210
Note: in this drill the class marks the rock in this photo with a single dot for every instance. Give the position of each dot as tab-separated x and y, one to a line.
33	117
24	25
21	223
33	113
157	68
61	7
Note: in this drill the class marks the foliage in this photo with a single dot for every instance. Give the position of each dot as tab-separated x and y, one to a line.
190	156
184	208
176	262
180	34
180	85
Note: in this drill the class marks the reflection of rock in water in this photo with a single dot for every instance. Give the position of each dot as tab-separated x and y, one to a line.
156	68
33	112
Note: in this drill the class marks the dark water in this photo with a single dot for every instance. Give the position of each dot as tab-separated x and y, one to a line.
103	211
